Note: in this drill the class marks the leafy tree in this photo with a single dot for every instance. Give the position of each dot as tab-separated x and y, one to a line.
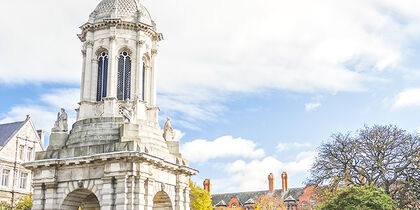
383	156
357	198
199	198
23	203
269	202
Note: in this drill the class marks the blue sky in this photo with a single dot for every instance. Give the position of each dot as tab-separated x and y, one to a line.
254	87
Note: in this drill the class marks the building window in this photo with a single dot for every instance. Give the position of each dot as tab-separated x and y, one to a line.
5	178
23	179
21	153
124	76
29	154
102	76
144	79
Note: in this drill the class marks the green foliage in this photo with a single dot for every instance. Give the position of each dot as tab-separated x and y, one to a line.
23	203
357	198
199	198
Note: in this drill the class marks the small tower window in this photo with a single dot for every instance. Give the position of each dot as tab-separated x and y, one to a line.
102	76
124	76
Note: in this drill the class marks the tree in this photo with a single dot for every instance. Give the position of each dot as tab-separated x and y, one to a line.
357	198
269	202
23	203
199	198
383	156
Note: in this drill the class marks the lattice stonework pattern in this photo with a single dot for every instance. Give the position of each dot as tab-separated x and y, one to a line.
121	9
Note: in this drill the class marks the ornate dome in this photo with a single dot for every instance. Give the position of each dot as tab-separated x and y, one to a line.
127	10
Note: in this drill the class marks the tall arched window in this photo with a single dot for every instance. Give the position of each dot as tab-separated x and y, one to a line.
124	76
102	76
143	87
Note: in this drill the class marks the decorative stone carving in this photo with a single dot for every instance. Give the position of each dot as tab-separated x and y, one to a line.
127	110
168	131
60	124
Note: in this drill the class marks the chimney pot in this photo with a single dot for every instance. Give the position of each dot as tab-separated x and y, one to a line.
284	181
207	185
271	183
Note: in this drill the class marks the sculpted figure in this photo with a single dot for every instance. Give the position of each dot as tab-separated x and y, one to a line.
168	131
127	111
60	124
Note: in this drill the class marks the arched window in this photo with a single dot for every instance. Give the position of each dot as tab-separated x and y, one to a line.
102	76
144	79
124	76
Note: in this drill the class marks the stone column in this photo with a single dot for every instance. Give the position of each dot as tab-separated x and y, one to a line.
82	84
149	195
51	197
147	85
88	71
108	193
139	71
141	192
38	196
153	80
113	67
94	80
121	199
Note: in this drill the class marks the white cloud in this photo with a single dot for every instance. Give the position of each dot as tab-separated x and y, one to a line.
252	175
418	129
223	147
44	112
312	106
407	98
289	146
330	47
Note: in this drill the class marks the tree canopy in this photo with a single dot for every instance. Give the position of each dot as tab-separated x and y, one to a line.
384	156
199	198
357	198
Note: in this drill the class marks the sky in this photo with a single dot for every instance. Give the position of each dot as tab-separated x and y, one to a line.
252	87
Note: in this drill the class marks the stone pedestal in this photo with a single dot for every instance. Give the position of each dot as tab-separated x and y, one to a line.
58	140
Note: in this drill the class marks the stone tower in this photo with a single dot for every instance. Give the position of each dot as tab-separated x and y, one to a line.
116	156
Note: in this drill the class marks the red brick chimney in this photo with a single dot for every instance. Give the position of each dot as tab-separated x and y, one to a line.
207	185
284	181
271	182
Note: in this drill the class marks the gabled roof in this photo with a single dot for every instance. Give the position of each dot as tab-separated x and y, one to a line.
221	203
290	198
8	130
250	201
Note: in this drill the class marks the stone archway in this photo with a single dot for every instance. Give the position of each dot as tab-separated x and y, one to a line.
81	199
161	201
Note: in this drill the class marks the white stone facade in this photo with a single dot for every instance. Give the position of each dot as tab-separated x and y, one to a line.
15	179
115	156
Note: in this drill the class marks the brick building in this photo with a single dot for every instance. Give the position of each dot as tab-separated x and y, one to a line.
289	198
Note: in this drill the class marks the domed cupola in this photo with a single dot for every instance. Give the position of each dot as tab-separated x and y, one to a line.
126	10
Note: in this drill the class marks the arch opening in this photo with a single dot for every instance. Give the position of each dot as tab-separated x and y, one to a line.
161	201
81	200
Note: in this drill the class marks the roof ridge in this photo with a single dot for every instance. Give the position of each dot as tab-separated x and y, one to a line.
12	123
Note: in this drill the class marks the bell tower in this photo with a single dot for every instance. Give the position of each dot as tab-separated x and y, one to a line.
119	63
116	155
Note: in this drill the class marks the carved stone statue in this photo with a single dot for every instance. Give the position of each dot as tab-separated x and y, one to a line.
127	110
168	131
60	124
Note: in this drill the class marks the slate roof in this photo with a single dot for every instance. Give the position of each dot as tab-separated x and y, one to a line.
8	130
243	197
